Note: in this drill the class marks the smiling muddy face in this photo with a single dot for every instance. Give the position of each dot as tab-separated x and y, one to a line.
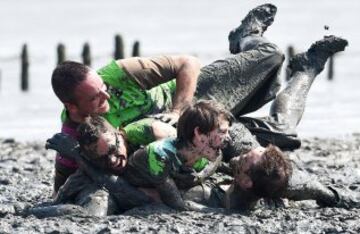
210	143
264	172
204	126
103	145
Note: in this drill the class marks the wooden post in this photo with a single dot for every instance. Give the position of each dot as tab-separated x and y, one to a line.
136	49
24	68
290	54
331	68
119	47
86	55
61	57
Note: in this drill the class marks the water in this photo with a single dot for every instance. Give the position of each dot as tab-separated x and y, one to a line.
166	27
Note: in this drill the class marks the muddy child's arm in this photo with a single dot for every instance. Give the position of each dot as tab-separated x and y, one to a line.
126	194
188	177
209	169
65	145
171	196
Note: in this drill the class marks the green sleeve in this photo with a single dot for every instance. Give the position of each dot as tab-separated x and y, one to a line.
140	132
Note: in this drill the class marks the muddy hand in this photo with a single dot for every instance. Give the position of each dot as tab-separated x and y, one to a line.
169	118
186	179
64	144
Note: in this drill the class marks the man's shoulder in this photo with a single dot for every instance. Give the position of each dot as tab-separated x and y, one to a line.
112	73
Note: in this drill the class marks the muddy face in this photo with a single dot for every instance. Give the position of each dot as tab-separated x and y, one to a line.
110	152
241	166
210	143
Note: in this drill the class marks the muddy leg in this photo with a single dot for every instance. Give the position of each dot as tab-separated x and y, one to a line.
255	23
248	80
242	83
126	195
96	201
302	186
290	103
56	211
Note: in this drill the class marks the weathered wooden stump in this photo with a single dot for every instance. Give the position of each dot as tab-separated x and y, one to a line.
136	49
86	55
24	68
119	47
61	56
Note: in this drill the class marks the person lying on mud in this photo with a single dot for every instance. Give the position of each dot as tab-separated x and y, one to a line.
202	131
250	137
123	91
83	92
252	77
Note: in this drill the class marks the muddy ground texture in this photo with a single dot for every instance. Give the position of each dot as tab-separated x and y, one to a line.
26	172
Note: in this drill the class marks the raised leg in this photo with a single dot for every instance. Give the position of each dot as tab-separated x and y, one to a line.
248	80
289	105
255	24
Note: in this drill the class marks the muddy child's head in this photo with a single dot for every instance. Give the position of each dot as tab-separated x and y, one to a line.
262	172
103	145
205	126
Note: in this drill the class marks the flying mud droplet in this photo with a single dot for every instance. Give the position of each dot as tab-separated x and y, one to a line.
326	27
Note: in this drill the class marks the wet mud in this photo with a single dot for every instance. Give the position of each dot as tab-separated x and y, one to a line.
26	179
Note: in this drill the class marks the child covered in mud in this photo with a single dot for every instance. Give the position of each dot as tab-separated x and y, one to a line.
202	132
252	80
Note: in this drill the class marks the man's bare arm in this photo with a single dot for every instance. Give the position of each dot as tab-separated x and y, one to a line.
186	79
187	72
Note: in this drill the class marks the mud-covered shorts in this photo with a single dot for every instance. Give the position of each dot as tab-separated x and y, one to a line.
249	133
211	192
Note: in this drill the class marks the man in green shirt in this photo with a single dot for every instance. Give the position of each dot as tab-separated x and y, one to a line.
123	91
252	79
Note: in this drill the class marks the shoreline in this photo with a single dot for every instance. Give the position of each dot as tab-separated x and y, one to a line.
26	179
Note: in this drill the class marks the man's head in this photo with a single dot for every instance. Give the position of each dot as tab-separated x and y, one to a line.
80	89
205	125
263	172
103	145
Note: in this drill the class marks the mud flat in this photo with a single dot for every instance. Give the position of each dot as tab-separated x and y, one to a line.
26	172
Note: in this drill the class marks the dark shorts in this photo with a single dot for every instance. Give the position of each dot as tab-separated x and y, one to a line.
269	130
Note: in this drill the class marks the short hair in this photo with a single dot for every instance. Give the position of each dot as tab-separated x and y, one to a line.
66	77
270	176
203	114
90	130
89	134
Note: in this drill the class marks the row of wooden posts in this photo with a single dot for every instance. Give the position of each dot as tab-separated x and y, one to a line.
119	54
61	57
